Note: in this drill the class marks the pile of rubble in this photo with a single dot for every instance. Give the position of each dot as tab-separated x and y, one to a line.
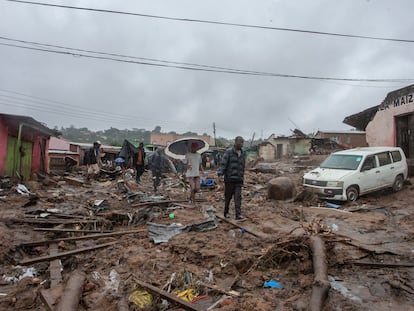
112	244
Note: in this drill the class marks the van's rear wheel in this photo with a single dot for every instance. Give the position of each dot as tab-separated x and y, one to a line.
352	193
398	183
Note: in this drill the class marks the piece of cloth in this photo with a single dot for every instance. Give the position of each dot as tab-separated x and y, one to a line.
232	166
231	190
193	164
93	169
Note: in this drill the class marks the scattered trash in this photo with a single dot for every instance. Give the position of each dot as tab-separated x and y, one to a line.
100	205
187	295
171	215
332	205
141	298
114	279
20	273
272	284
342	289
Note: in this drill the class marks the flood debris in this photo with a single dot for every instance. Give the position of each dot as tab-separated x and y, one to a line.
357	256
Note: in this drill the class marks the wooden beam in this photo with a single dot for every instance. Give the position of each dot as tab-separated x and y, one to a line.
54	266
163	202
238	226
83	237
69	301
26	262
170	297
56	221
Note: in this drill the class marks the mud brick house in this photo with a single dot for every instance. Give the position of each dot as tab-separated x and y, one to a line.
390	123
348	139
23	146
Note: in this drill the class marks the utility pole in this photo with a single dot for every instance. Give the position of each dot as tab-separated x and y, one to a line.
214	133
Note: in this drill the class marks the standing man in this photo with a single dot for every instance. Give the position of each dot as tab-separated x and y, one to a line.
194	167
232	168
91	160
140	162
156	167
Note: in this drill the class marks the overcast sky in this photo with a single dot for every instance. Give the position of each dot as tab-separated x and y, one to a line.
64	90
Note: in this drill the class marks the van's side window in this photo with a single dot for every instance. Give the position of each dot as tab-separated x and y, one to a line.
384	158
369	163
396	156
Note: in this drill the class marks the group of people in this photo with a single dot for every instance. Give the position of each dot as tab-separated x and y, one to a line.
230	170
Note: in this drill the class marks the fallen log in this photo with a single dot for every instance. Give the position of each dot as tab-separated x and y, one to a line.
83	237
321	284
26	262
170	297
69	300
240	227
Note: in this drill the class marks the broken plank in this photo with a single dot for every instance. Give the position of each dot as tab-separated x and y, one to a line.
70	298
56	221
238	226
50	296
26	262
54	266
83	237
163	202
170	297
71	230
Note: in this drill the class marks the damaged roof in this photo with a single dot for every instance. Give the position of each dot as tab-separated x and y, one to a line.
15	120
361	119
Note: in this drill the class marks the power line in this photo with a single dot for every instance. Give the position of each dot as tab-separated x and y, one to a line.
217	22
43	105
184	67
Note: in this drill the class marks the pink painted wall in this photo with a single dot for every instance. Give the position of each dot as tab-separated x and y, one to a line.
36	154
381	130
59	144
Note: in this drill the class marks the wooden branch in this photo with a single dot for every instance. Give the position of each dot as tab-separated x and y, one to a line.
381	264
220	290
170	297
321	284
64	254
69	300
71	230
238	226
83	237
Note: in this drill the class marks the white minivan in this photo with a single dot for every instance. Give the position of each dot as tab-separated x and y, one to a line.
346	175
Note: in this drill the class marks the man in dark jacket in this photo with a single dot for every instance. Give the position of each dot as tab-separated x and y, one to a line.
232	168
140	162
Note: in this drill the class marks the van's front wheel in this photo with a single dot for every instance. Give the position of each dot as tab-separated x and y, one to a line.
398	183
352	194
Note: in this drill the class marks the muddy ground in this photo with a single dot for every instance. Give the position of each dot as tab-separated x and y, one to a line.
369	245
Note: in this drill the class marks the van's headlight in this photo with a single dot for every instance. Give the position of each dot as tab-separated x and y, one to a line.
338	184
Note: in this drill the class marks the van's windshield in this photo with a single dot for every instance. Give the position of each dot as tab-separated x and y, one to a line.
342	162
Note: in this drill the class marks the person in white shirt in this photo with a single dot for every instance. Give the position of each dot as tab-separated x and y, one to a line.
194	167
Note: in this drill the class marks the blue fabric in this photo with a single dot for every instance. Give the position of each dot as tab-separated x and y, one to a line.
273	284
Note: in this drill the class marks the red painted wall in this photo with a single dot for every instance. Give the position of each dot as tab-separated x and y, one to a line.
3	148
